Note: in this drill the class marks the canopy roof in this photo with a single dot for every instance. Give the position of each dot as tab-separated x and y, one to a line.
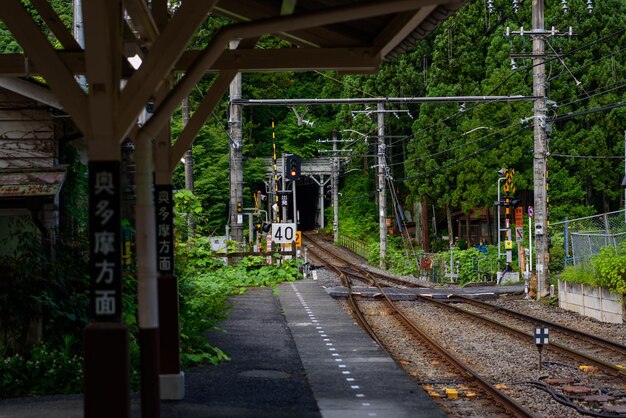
342	35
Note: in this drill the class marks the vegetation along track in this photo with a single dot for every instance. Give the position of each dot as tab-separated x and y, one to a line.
568	385
435	365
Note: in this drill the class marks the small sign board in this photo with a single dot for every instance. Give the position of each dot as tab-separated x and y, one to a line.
519	216
542	336
105	241
165	227
283	233
531	211
519	233
298	238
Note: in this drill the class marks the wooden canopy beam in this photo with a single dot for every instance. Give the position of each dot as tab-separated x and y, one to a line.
244	60
60	31
400	27
52	67
160	60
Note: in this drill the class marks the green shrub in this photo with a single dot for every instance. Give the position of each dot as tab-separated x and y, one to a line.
607	270
205	284
610	268
43	370
582	273
473	263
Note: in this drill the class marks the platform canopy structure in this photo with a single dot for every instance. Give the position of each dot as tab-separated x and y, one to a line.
106	97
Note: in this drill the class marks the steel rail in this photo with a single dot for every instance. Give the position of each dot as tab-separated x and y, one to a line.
620	348
355	308
529	337
505	401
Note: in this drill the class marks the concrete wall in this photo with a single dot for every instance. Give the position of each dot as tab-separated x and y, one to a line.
590	301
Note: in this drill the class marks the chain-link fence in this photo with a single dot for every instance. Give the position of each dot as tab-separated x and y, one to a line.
445	268
575	241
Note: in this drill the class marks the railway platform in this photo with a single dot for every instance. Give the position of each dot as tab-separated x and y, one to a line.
295	354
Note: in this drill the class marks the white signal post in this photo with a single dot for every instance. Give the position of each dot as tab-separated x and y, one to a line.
531	213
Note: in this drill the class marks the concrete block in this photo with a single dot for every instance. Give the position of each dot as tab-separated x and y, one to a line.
172	386
597	303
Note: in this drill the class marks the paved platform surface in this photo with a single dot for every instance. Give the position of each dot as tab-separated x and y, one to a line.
349	374
295	354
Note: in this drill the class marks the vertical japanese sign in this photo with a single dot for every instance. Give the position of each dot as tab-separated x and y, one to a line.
165	228
105	243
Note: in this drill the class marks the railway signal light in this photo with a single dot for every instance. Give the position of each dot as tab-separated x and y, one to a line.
239	207
293	167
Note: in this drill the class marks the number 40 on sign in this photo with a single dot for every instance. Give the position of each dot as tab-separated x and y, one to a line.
283	233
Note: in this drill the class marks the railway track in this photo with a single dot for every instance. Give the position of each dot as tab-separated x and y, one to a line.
442	367
607	354
573	346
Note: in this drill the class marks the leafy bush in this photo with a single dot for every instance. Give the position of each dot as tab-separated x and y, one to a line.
582	273
472	263
607	270
610	268
43	370
203	304
205	285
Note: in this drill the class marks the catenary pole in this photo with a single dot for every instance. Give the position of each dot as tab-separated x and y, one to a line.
382	195
335	187
236	157
189	180
540	148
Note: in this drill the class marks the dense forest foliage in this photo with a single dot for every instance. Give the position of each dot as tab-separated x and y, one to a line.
447	154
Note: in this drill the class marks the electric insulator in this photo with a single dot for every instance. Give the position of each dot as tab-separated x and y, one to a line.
490	6
589	6
516	6
513	65
564	6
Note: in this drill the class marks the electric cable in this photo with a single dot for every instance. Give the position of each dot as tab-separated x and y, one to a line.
458	161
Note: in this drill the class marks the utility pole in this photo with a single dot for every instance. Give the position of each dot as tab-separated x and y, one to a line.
189	180
540	148
382	195
335	187
236	157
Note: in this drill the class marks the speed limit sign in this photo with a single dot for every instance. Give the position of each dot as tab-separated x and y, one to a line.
283	233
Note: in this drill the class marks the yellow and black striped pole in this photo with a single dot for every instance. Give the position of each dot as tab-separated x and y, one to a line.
275	166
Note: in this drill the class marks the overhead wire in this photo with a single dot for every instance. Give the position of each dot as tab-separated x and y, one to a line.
526	68
597	157
465	158
608	90
500	131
